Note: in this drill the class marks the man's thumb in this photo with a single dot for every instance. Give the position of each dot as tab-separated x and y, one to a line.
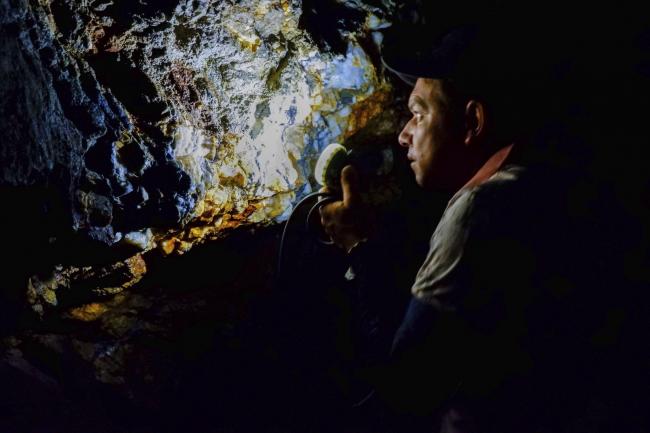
350	186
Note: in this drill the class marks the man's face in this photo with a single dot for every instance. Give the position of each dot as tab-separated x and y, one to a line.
432	137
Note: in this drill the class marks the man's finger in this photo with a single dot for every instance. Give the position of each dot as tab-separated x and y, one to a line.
328	210
350	186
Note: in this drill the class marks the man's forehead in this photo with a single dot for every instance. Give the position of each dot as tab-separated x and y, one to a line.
416	100
425	91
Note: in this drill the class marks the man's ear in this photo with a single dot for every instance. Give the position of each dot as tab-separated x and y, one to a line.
474	122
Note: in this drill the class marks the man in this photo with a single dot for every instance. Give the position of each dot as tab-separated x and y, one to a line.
497	334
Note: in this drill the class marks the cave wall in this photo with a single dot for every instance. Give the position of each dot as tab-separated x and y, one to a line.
140	126
149	152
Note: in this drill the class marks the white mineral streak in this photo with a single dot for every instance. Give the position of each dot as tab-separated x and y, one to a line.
268	103
142	239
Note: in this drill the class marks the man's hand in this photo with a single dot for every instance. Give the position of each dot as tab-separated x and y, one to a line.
347	221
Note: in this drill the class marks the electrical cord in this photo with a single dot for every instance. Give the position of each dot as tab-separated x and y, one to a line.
324	198
327	198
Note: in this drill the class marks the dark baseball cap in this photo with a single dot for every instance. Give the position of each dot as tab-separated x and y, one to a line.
416	51
479	57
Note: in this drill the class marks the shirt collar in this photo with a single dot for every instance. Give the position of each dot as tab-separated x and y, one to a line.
491	166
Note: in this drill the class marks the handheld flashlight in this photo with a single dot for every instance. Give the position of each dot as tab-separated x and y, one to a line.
373	162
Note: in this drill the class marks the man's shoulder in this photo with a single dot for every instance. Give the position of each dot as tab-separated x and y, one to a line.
507	180
505	188
474	214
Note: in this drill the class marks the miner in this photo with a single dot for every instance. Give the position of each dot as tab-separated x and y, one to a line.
496	337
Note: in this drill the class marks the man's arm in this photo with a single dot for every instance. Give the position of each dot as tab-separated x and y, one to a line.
431	349
424	367
383	260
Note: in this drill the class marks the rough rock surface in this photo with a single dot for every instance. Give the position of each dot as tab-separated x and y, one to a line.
132	131
163	125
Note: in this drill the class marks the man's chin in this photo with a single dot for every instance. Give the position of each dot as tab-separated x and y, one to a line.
426	180
431	183
416	173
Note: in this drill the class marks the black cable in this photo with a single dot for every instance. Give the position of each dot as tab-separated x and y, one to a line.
328	196
319	203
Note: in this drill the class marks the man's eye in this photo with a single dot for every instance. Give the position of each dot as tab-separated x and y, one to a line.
417	117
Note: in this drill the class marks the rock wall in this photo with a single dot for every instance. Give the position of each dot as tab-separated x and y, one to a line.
132	133
134	126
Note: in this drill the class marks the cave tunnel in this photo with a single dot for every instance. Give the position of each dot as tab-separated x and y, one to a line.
158	273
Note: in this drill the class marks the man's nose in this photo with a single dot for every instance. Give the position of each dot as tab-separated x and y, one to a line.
404	137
